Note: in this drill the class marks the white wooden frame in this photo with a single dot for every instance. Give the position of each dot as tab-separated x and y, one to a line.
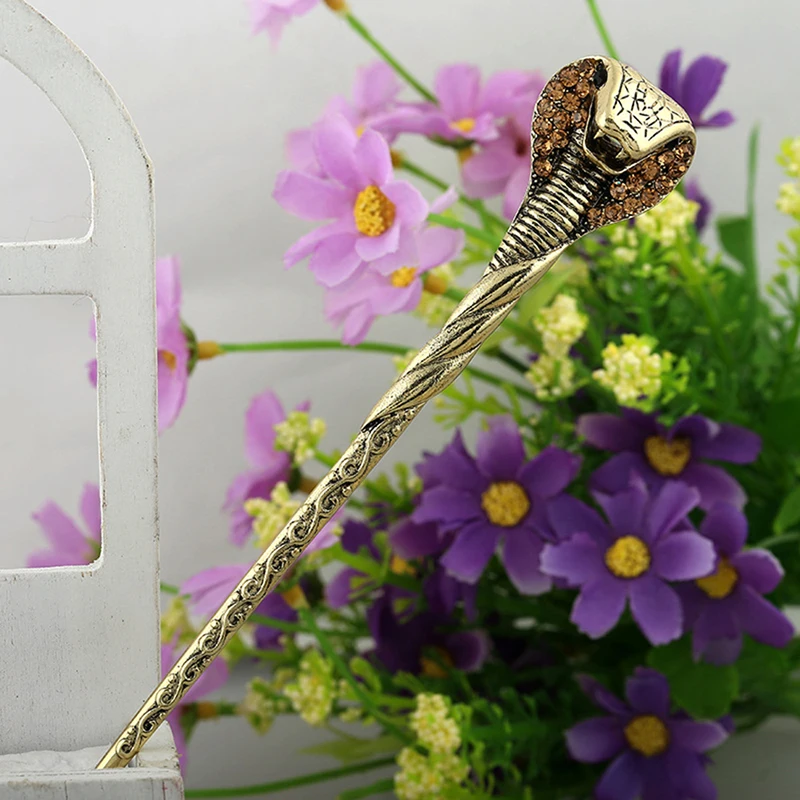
79	649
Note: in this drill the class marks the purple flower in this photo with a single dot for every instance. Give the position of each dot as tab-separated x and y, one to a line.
646	543
503	166
696	88
662	455
371	211
496	499
69	545
272	16
270	466
656	754
344	587
212	679
465	109
720	607
173	350
695	193
208	589
392	284
424	644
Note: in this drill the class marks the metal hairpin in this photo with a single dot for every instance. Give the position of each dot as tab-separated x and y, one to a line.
607	145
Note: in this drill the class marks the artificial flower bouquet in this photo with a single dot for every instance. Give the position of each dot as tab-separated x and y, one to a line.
585	596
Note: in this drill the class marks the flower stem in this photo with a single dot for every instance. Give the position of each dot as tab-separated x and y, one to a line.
335	344
362	31
601	28
278	624
476	205
471	230
290	783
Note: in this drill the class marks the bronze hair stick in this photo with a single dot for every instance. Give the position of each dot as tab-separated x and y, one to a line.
607	145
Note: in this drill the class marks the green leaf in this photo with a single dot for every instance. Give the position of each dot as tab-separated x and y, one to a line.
789	512
762	668
783	423
703	690
352	750
735	236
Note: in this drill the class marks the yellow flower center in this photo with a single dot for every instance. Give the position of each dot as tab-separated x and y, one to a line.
435	667
399	566
722	582
359	130
373	212
465	125
169	358
402	277
628	557
505	503
647	734
295	597
667	458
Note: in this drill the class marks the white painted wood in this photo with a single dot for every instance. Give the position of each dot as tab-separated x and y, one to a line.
49	775
79	646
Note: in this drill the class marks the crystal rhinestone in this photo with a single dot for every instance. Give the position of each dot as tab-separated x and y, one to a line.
586	67
618	189
571	101
663	185
546	107
542	167
555	90
683	152
677	170
583	87
666	158
543	145
649	170
559	138
569	76
595	216
613	212
542	126
634	183
632	205
579	117
561	119
650	196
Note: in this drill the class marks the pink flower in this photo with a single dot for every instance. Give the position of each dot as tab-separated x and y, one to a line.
273	15
467	110
214	678
173	350
375	92
371	211
392	284
69	545
270	466
503	166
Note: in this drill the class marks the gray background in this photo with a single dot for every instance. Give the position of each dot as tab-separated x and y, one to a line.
212	104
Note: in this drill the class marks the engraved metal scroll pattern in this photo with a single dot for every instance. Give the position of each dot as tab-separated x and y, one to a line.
642	109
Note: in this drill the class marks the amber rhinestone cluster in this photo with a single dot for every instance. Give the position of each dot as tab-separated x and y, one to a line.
644	185
562	108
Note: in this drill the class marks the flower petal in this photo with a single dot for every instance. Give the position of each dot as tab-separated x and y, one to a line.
411	207
579	560
622	780
656	609
759	569
520	553
438	245
670	74
447	505
625	510
726	526
614	433
62	533
732	443
263	414
599	606
334	142
714	484
550	472
647	692
698	737
373	158
566	516
471	551
700	83
411	540
468	649
670	506
759	618
500	450
515	191
457	87
309	197
335	259
375	87
595	740
683	557
601	696
616	474
209	588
